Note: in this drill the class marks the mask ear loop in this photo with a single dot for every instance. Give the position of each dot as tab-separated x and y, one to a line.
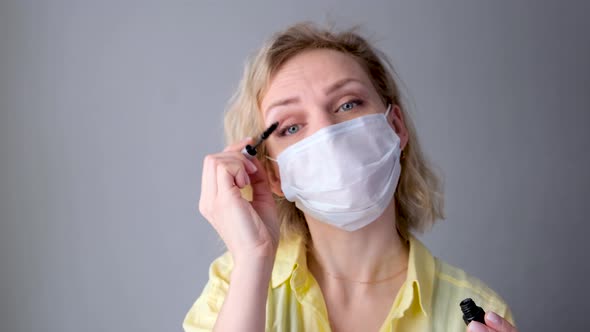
276	197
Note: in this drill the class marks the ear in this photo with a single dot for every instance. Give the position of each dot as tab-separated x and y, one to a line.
274	178
396	118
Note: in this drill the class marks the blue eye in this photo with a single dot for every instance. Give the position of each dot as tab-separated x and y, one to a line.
289	130
349	105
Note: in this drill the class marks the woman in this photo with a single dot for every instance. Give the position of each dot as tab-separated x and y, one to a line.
324	241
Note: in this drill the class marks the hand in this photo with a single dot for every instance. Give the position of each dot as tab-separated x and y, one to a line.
250	230
494	323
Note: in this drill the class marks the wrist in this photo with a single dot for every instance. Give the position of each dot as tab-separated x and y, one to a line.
254	265
261	256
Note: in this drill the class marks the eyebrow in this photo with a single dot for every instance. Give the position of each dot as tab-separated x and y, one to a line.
282	102
340	84
329	90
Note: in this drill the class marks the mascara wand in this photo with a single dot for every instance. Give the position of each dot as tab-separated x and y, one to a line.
250	150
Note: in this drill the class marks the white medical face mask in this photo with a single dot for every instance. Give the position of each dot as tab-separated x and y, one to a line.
345	174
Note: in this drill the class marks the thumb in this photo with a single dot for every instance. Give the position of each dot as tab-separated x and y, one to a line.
478	327
498	323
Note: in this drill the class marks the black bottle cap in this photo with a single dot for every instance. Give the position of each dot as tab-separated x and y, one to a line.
471	312
250	150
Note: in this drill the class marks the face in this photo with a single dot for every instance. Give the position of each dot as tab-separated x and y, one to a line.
316	89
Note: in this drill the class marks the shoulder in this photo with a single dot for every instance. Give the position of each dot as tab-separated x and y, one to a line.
452	285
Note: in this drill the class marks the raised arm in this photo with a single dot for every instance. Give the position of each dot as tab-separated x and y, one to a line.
250	231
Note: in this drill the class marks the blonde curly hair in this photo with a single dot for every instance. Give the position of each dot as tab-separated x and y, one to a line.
418	197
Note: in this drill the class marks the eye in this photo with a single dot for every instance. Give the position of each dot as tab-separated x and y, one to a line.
349	105
289	130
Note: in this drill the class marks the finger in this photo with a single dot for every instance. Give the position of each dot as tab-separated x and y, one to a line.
231	174
478	327
208	181
233	155
498	323
210	178
238	146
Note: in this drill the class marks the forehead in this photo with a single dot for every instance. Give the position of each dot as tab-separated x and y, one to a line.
312	69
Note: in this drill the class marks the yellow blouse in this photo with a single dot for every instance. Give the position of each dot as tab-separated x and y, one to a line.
428	300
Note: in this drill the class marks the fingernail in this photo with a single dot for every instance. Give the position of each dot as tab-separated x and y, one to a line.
494	318
246	139
476	327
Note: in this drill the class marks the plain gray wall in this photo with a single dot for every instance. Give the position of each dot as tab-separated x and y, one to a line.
108	108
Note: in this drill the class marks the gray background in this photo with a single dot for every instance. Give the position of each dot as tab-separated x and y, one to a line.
108	108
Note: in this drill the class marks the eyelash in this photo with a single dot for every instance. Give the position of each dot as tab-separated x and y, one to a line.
358	102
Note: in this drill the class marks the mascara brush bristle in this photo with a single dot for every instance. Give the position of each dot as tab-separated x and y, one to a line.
270	130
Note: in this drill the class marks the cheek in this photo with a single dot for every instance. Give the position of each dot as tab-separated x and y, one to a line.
272	150
272	170
274	147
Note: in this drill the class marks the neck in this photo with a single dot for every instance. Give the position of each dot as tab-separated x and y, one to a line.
374	252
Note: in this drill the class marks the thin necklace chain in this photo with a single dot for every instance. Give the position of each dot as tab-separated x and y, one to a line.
365	282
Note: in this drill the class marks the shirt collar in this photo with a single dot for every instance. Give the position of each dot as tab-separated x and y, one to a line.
290	253
421	267
419	280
